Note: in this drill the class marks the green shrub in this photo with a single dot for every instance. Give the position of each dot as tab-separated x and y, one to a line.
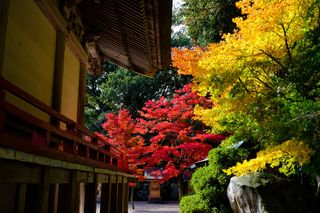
210	182
192	204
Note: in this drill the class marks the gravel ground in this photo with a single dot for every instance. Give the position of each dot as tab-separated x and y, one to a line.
145	207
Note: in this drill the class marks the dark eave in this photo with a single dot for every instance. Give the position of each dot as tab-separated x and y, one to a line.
134	34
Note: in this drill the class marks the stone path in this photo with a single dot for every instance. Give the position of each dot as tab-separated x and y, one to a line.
145	207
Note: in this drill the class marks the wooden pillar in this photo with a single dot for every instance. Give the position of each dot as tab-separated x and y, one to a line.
117	194
110	193
32	204
21	198
125	195
82	192
68	195
120	200
64	203
77	197
105	196
74	192
2	115
58	74
53	198
4	13
81	93
91	196
44	191
113	194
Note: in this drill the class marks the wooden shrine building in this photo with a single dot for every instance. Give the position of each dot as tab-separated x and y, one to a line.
49	162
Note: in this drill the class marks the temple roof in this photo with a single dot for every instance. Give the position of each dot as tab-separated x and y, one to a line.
134	34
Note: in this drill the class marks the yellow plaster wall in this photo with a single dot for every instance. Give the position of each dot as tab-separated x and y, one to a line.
29	53
70	85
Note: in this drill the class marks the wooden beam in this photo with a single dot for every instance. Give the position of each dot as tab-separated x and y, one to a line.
58	175
58	74
11	154
50	10
4	13
16	91
76	48
102	178
165	14
18	172
81	94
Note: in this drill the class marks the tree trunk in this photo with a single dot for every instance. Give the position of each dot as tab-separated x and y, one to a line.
181	186
131	197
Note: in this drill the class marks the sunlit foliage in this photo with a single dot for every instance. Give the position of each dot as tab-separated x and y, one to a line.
285	158
263	78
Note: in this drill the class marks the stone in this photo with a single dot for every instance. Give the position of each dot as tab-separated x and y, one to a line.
243	195
257	193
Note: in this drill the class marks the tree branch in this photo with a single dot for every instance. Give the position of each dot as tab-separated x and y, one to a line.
307	116
273	58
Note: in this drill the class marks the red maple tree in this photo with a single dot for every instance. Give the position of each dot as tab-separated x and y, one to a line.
165	140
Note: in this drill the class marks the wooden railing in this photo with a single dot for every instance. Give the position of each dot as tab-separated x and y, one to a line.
25	132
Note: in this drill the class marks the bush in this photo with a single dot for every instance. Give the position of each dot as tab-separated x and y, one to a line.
210	182
192	204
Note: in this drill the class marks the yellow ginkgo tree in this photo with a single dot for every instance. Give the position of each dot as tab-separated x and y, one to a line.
263	78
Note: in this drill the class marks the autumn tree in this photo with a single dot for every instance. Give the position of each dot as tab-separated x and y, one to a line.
117	88
165	140
264	78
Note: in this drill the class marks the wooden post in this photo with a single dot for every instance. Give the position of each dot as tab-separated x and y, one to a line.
105	196
117	193
64	201
131	197
91	195
53	198
69	195
113	194
4	13
120	198
109	193
2	115
21	198
81	196
125	195
73	192
44	191
58	74
72	148
81	93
